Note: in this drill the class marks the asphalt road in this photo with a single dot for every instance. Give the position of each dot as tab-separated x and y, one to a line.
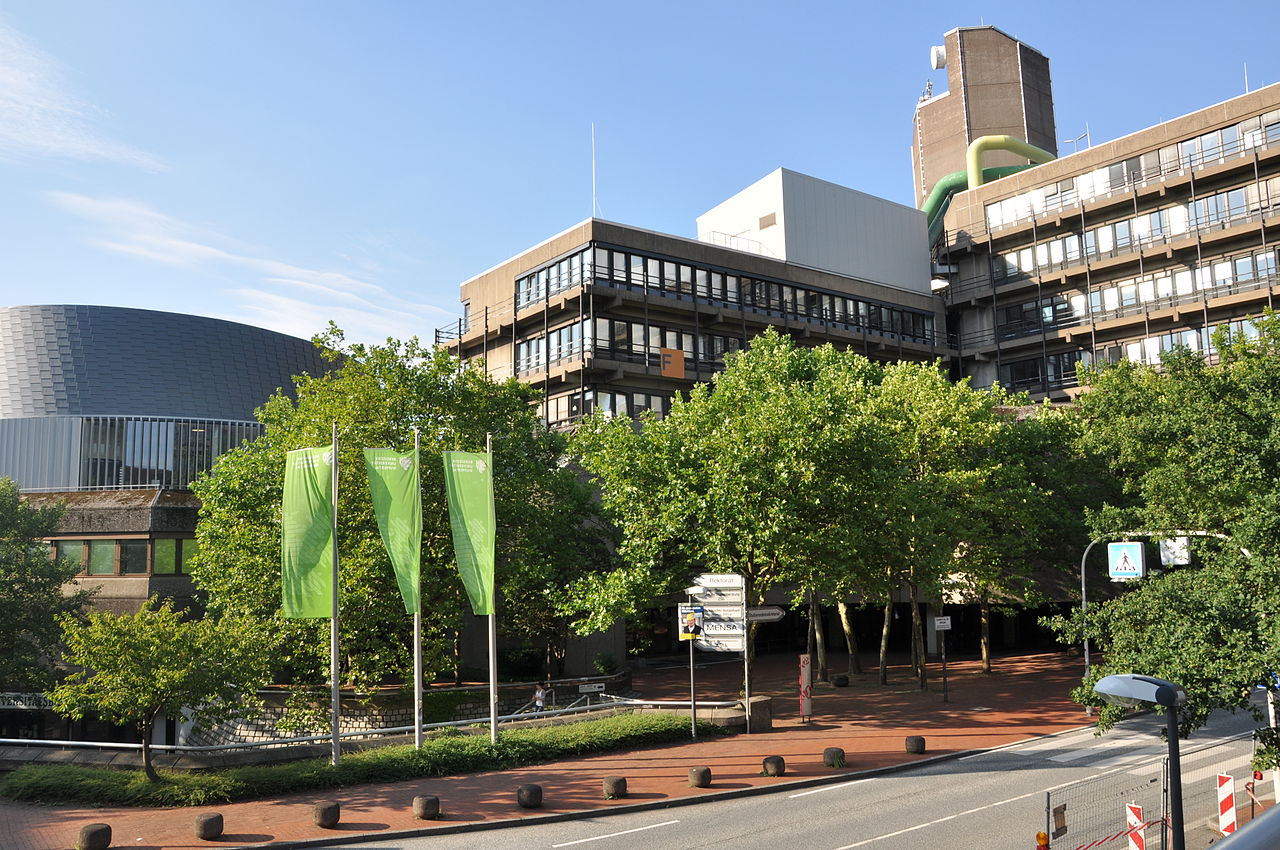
994	800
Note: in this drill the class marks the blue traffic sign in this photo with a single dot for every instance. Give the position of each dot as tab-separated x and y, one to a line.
1125	560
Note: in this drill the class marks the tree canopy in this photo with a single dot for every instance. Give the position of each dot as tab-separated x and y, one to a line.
32	594
1196	444
133	667
810	468
378	395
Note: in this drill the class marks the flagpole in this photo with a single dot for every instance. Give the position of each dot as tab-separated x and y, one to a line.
417	639
493	627
333	622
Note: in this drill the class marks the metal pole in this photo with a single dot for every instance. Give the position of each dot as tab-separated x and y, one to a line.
493	631
1177	837
335	708
942	639
746	674
693	695
417	637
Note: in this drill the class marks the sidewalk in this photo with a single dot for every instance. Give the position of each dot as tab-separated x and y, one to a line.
1025	697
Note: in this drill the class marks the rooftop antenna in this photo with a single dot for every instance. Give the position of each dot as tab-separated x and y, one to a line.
595	204
1246	78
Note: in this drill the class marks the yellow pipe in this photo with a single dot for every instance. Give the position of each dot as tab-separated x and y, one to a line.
982	144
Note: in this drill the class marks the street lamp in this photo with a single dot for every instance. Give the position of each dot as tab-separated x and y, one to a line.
1130	690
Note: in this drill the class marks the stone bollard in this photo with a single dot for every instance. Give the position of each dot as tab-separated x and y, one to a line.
529	796
615	787
699	777
840	680
326	815
774	766
94	836
915	744
833	757
209	826
426	808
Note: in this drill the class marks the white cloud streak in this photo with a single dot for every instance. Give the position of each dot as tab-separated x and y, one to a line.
39	117
282	296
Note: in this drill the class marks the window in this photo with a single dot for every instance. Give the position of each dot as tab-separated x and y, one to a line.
102	557
165	558
133	557
71	552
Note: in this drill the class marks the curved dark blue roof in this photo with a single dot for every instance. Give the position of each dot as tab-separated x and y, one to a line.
75	360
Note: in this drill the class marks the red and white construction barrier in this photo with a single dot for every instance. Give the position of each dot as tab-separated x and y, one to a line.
1129	831
1226	803
1137	830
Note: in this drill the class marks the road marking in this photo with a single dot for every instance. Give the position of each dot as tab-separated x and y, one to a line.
953	817
828	788
616	834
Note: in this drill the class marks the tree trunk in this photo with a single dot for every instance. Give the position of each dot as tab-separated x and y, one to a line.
884	642
819	637
147	767
984	610
917	638
850	639
457	656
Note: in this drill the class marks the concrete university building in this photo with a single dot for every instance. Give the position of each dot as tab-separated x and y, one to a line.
1019	266
114	412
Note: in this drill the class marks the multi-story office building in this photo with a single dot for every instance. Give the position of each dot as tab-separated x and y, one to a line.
617	318
1124	250
113	412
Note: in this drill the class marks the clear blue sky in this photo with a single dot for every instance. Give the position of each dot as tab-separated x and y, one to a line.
282	162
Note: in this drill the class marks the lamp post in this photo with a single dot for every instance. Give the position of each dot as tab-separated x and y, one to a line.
1131	690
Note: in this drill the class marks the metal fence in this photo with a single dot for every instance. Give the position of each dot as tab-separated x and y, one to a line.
1092	813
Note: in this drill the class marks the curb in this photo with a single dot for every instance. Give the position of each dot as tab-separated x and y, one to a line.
629	808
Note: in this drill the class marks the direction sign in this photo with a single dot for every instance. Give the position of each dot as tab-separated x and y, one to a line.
719	580
723	595
721	643
1125	560
765	614
591	687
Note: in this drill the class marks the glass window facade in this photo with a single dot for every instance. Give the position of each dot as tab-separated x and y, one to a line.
1203	150
122	452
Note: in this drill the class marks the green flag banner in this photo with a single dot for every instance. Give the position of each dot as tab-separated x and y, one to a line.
306	537
468	478
397	503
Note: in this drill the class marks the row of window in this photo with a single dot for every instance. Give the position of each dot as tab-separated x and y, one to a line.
1120	237
682	280
1118	298
127	556
1205	149
119	452
620	339
616	402
1059	370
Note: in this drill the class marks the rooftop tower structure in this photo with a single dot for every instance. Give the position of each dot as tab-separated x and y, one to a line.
996	86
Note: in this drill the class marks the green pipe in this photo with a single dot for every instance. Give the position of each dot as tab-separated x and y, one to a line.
935	206
979	146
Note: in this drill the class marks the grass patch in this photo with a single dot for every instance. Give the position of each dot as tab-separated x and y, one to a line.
441	756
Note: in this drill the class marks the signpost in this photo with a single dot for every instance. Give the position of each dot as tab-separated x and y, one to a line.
943	624
722	597
806	687
689	620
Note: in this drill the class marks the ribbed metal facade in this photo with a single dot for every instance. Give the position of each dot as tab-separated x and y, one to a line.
112	398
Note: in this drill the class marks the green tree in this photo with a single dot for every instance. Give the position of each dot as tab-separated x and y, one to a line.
947	438
133	667
1028	518
33	592
377	395
770	471
1196	444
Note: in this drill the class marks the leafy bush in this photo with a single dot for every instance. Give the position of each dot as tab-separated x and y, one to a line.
439	756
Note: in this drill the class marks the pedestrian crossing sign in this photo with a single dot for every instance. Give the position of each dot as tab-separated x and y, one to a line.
1125	561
